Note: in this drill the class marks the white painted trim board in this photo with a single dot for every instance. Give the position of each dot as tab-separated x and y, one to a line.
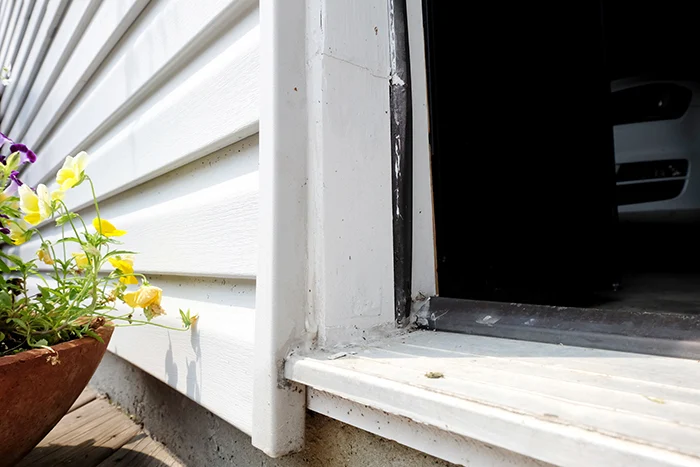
631	424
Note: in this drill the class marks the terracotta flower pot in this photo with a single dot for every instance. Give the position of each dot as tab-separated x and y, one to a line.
36	391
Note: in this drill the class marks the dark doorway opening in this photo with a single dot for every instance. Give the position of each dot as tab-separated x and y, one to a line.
544	123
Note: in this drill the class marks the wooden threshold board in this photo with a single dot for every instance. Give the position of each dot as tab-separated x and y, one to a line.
94	433
598	407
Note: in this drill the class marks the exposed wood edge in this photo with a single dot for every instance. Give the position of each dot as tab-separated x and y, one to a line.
88	395
498	426
422	437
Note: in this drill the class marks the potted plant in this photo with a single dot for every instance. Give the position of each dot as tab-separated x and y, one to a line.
55	327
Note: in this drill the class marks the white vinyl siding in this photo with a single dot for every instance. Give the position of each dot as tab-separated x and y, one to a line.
163	95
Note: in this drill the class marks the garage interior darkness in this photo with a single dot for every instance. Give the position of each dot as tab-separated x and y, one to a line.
538	166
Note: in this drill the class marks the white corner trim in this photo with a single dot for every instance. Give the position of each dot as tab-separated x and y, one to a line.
325	273
279	407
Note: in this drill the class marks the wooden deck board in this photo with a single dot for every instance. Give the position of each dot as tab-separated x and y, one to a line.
96	433
142	451
88	395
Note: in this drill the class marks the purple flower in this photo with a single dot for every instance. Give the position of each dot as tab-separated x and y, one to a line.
26	154
14	185
4	229
4	139
15	178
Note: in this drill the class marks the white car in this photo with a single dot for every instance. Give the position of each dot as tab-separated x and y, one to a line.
657	146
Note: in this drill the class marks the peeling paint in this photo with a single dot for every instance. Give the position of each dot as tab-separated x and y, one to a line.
396	80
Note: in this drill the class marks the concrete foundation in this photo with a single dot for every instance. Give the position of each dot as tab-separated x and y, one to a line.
200	438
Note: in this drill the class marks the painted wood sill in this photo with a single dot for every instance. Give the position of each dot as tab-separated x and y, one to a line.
561	405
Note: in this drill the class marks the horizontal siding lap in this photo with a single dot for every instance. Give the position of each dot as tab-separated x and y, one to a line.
212	232
25	46
104	30
18	34
164	43
212	363
173	154
214	108
29	71
12	24
76	19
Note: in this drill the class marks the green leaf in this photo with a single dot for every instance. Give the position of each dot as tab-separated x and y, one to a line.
45	292
13	258
4	267
19	323
5	300
119	253
65	218
67	239
187	318
2	336
13	160
7	239
40	343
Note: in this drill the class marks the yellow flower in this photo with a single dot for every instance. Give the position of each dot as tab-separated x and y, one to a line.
126	265
35	206
81	260
72	171
44	256
145	296
18	233
106	228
